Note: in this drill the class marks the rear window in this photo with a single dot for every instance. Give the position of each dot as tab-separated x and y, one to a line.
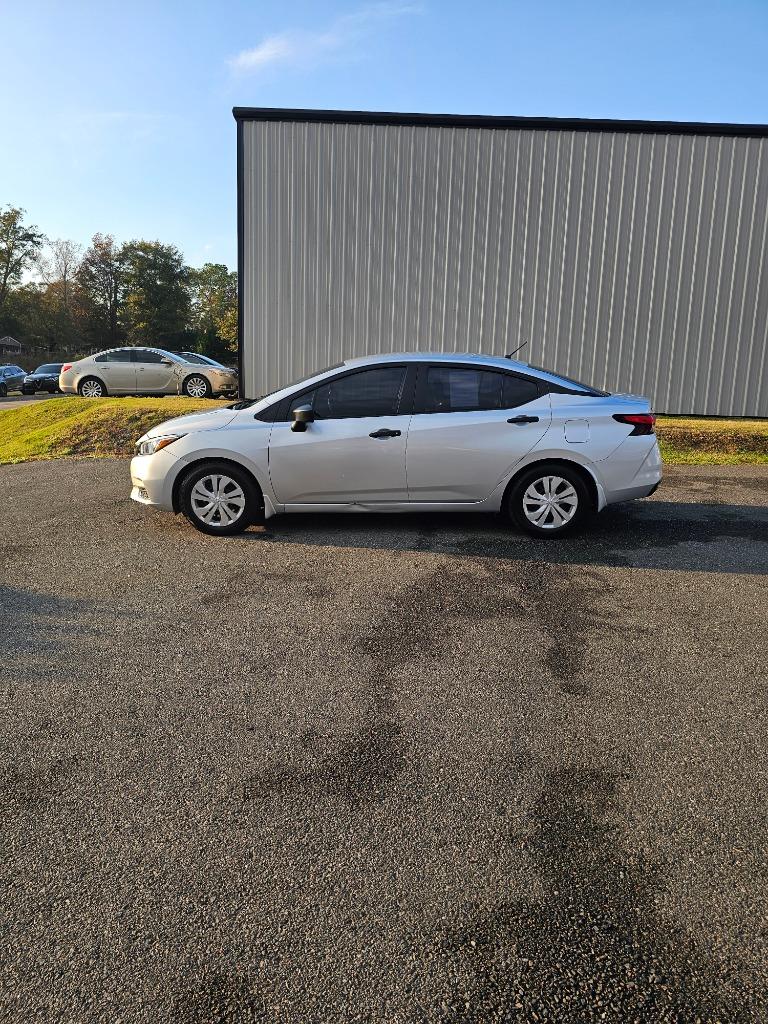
571	384
120	355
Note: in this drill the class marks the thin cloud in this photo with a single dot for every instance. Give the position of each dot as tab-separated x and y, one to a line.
308	49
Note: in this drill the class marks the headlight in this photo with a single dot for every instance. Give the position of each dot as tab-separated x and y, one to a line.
150	445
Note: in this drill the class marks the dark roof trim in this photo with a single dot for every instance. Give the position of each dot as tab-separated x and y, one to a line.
567	124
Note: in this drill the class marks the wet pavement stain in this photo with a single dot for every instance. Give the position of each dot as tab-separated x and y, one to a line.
32	786
363	766
358	767
220	999
595	949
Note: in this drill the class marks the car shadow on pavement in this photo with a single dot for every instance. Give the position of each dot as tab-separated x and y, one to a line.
672	535
36	624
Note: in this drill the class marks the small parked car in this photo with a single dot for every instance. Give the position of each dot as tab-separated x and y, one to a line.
44	378
11	379
144	371
400	433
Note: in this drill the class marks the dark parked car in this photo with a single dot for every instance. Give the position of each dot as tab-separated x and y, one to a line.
11	379
44	378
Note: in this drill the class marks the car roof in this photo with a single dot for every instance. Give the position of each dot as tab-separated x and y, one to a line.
470	358
447	357
132	348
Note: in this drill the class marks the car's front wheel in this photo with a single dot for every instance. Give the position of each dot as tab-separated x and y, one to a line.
549	501
219	498
197	386
3	390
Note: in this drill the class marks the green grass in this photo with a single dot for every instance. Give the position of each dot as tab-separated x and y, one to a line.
687	441
94	427
85	427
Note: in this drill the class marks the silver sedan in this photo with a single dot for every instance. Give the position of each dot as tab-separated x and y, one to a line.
409	432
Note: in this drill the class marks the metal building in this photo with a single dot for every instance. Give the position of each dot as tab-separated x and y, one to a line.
631	255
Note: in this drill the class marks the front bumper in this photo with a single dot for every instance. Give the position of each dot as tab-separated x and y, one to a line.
153	477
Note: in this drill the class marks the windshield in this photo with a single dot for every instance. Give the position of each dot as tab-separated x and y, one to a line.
49	368
296	383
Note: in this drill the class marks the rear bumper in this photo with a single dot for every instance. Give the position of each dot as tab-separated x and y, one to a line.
625	480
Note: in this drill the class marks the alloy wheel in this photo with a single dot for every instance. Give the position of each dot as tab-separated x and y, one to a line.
217	500
91	389
550	502
196	387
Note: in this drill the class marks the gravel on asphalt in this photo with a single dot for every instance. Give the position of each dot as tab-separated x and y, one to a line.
387	769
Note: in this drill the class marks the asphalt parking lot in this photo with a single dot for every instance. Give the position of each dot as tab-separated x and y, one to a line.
401	769
16	399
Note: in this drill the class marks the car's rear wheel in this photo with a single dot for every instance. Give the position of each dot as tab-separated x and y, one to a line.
549	501
3	390
197	386
219	498
92	387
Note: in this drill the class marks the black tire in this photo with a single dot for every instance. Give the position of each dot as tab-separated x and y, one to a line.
192	505
96	388
560	489
3	390
199	384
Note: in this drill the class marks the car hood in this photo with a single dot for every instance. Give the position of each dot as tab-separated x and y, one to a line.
194	421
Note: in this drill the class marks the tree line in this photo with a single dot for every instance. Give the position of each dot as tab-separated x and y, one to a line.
61	299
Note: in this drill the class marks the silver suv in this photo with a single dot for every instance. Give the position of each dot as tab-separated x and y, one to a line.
144	371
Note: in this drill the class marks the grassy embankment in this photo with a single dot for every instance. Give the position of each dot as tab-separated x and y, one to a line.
89	428
85	427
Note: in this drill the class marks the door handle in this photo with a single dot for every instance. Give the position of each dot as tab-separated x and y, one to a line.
384	432
523	419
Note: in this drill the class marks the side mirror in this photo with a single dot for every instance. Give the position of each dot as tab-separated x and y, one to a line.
166	362
302	415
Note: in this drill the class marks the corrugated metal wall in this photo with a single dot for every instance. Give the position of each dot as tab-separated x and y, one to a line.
634	262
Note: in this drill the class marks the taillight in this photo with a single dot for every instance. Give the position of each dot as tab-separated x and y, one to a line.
641	421
65	367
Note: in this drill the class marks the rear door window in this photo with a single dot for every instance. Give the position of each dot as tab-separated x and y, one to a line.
465	389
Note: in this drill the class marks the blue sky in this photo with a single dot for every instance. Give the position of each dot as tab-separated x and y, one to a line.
116	117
